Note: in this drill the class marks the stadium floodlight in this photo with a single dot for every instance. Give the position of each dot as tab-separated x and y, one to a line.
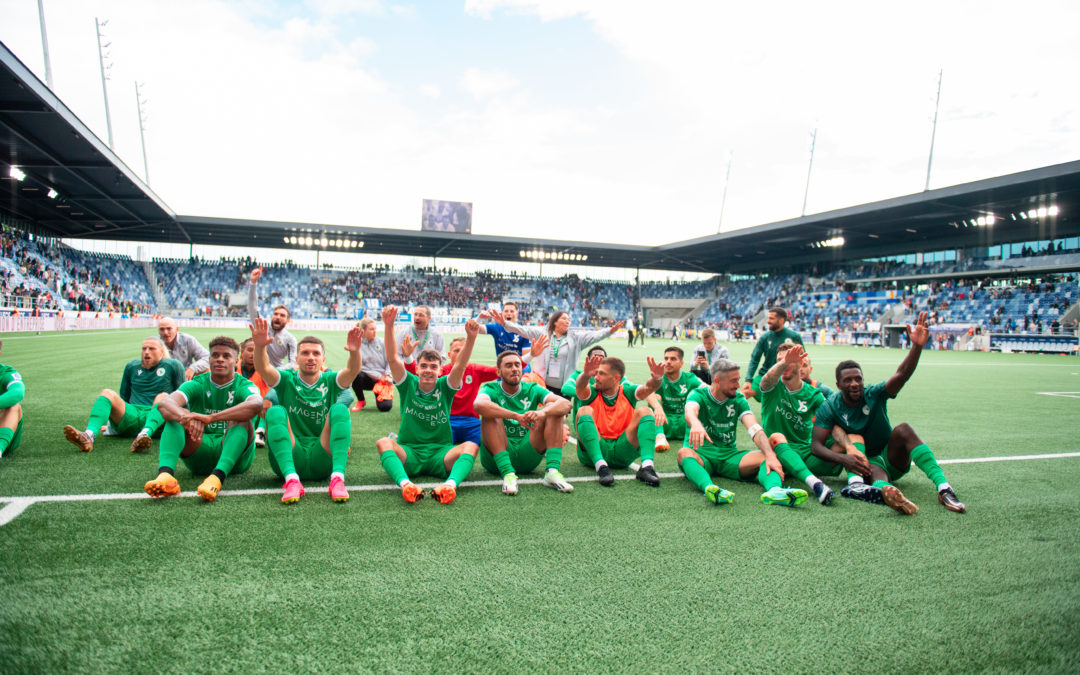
53	194
322	242
286	240
991	219
308	241
360	244
981	220
1041	211
1033	214
16	173
1053	210
292	240
584	257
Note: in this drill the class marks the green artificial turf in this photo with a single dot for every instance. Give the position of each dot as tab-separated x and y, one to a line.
630	578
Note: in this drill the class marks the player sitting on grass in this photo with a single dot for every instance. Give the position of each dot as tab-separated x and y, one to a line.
424	444
674	388
765	349
711	416
14	391
788	405
145	381
208	425
862	413
520	422
308	430
611	431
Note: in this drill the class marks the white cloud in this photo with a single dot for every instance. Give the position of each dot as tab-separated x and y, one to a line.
430	90
481	84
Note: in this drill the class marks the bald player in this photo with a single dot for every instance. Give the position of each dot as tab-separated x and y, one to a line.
184	348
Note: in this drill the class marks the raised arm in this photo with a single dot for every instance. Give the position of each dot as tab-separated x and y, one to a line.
397	368
918	337
656	371
792	359
582	388
253	296
472	328
260	335
353	340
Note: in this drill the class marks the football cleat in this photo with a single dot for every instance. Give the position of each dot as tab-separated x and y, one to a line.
209	488
444	493
357	407
823	493
338	493
165	485
260	437
604	475
510	486
662	444
948	499
718	495
556	481
141	442
647	475
293	491
411	492
862	492
79	439
896	501
782	496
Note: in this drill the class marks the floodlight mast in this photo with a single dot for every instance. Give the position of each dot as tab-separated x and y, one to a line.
104	90
723	199
45	44
933	131
809	170
142	133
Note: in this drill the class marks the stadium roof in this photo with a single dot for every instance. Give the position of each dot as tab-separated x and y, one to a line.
98	197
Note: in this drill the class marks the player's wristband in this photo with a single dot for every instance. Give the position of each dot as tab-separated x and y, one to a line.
753	430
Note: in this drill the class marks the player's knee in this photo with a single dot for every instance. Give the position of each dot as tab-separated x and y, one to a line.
584	411
641	413
905	431
687	452
160	397
856	438
277	415
383	444
777	438
109	394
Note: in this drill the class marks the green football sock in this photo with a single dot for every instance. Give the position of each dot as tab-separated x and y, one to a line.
277	439
170	447
6	436
233	445
792	462
696	473
589	439
646	437
880	483
925	460
503	463
154	421
553	458
768	480
393	466
340	433
99	415
462	466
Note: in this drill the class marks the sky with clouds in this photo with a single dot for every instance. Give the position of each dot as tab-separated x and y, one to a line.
609	120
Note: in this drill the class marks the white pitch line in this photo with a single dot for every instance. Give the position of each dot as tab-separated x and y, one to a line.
16	505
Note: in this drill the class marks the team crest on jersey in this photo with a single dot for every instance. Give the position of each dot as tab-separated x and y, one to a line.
230	399
802	406
866	410
322	389
682	388
468	379
730	411
159	372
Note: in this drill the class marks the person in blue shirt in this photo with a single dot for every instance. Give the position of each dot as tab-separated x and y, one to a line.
506	340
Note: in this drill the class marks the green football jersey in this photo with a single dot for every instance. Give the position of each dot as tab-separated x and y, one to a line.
629	388
869	419
765	350
673	394
529	396
206	397
425	417
720	418
8	377
139	386
307	404
790	413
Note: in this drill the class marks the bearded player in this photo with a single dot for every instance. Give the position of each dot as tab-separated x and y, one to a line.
611	430
675	387
309	429
712	414
208	425
862	413
520	424
424	444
